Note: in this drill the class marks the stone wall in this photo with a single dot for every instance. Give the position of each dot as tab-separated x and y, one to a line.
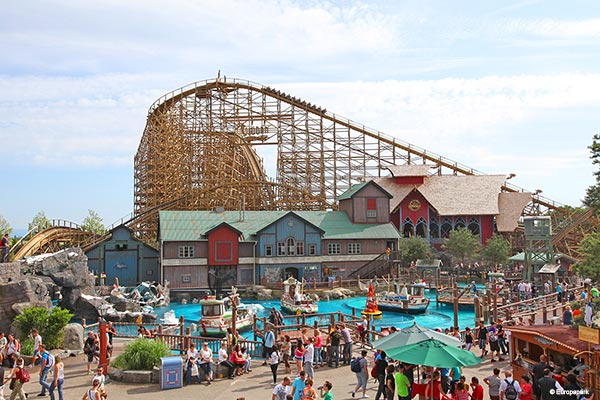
10	272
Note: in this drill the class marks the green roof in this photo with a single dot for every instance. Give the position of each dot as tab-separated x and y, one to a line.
350	192
192	225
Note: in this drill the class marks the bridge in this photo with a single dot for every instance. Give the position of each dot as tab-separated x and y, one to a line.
199	150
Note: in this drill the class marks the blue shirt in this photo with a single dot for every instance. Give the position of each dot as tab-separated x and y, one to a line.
269	339
445	371
299	386
45	356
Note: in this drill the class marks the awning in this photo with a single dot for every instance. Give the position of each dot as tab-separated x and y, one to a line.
429	264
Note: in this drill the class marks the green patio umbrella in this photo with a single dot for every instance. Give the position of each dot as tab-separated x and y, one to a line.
434	353
410	335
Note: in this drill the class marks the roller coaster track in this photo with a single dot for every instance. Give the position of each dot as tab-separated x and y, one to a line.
198	152
59	235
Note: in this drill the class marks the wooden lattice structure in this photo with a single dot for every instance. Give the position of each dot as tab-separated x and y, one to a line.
198	151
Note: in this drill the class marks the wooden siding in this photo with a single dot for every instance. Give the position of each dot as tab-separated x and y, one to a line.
187	277
358	215
223	246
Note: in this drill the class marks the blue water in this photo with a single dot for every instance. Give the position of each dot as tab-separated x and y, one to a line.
435	317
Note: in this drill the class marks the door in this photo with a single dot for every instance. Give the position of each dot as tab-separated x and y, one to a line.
123	265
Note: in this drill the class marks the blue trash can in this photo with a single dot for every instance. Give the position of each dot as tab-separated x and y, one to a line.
171	372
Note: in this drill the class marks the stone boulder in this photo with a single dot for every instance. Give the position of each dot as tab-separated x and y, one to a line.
18	294
338	293
73	337
120	303
259	292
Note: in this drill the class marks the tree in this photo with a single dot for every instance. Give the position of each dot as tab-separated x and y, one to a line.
4	226
589	266
93	223
39	222
592	195
462	244
496	250
412	249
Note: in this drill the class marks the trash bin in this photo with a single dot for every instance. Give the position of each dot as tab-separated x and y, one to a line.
171	372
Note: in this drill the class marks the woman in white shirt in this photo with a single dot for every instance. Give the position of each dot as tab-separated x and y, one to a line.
192	359
274	363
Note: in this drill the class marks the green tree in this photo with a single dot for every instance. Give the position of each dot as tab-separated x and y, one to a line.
589	266
462	244
39	222
412	249
496	250
592	195
93	223
50	324
142	355
4	226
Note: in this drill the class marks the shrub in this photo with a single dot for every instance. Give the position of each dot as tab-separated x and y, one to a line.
27	347
142	355
50	324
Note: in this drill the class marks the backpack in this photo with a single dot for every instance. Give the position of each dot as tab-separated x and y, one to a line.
50	362
355	365
510	393
24	376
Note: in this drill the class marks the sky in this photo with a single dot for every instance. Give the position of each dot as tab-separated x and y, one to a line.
500	86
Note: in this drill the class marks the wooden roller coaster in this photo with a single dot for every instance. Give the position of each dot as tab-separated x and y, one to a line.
198	151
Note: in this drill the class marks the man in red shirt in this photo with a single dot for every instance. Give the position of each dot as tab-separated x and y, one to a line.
477	393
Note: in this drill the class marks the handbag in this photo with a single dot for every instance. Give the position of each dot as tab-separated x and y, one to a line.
194	369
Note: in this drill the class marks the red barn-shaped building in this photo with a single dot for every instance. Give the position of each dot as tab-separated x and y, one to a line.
430	206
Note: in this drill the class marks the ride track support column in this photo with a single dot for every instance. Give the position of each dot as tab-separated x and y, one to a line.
103	345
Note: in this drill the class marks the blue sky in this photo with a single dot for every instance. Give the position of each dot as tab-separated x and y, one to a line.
503	87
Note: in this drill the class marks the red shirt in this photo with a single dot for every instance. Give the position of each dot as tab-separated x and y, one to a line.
477	393
526	392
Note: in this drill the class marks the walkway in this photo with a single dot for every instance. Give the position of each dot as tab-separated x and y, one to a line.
256	385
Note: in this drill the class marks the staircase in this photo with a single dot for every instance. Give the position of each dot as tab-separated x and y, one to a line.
380	265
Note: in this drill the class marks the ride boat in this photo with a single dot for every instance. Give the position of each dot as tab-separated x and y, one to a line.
217	315
414	302
294	300
371	309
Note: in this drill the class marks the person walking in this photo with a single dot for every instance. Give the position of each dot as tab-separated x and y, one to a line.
298	386
347	352
280	391
46	363
526	389
493	382
299	356
93	393
16	374
380	371
309	391
309	354
402	384
509	388
362	376
476	389
286	351
335	338
325	391
268	343
548	386
59	378
318	361
482	337
274	363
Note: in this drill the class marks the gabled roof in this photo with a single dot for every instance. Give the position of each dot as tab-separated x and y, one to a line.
511	207
297	215
226	224
410	170
452	195
358	187
192	225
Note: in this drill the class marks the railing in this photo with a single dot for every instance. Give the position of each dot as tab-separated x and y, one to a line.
529	307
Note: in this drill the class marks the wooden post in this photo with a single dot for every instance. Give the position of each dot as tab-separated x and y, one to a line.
495	297
234	303
181	328
455	301
254	327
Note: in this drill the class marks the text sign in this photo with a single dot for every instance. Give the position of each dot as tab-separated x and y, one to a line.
589	335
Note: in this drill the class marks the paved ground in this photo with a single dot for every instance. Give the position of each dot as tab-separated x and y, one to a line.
256	385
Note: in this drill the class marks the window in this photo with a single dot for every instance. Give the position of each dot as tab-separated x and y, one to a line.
421	230
460	223
371	208
353	248
446	228
291	246
434	228
312	249
281	249
186	251
474	226
300	248
268	250
333	248
186	278
408	230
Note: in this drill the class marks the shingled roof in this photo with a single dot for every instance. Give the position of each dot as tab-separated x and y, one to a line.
511	207
410	170
452	195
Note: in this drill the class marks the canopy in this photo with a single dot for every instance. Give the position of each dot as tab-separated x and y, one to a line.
410	335
433	353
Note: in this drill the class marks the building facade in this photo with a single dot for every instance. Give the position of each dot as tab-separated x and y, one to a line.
212	249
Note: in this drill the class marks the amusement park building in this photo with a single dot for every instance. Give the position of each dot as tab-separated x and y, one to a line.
211	249
430	206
